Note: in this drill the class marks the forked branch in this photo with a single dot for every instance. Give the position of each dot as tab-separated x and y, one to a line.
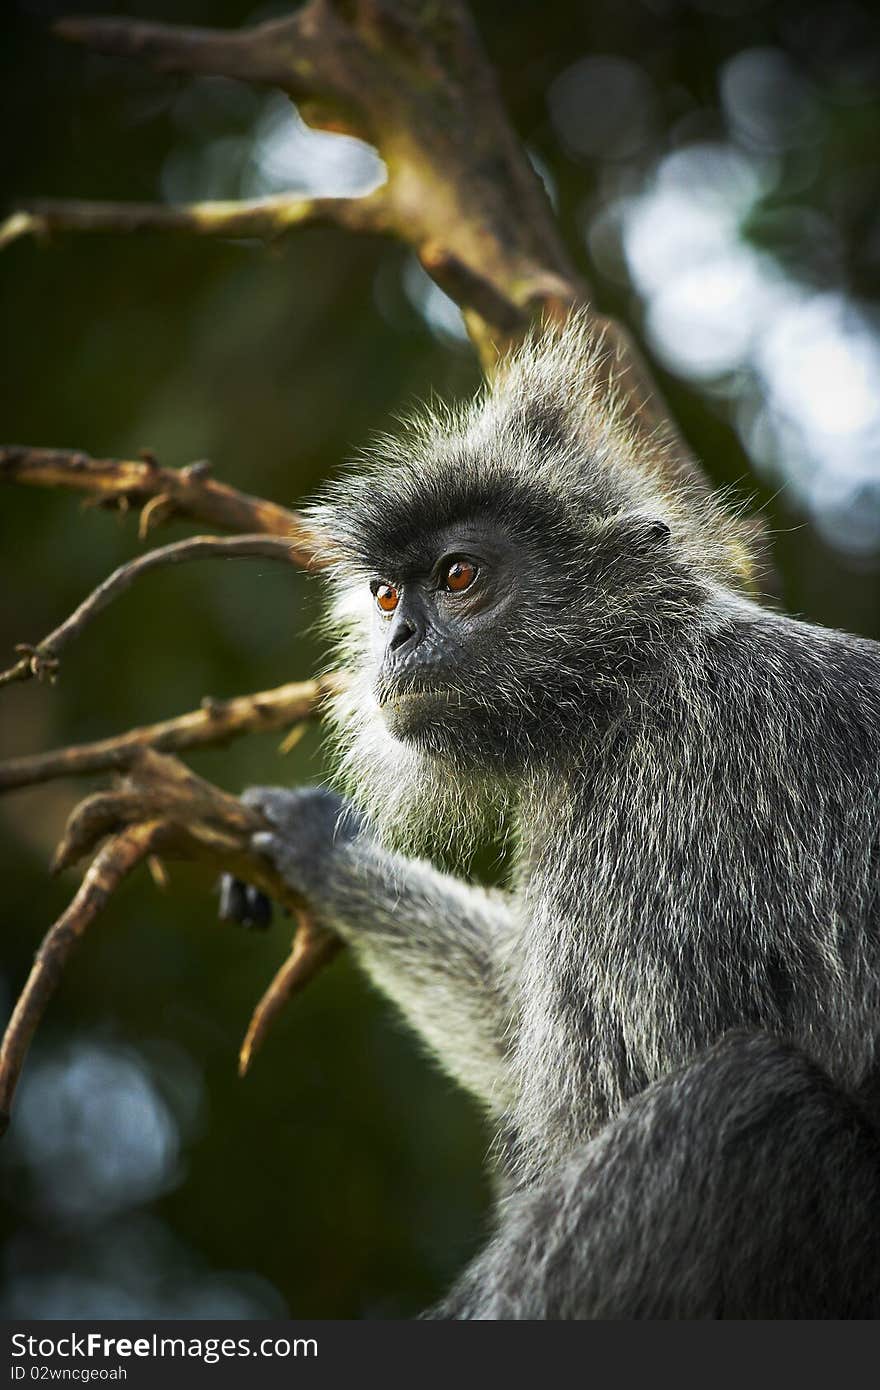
160	808
111	865
42	660
413	80
260	219
163	493
214	724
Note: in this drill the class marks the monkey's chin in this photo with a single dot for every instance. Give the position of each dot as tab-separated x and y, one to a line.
413	716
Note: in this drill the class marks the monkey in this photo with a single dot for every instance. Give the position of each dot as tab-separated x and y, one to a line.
670	1011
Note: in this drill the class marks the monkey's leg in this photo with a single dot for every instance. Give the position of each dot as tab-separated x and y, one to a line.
433	944
745	1186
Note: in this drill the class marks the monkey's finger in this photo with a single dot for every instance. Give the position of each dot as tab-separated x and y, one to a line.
298	810
259	909
284	854
264	842
243	904
233	902
281	806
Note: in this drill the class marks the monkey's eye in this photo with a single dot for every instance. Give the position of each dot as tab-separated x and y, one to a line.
458	575
386	596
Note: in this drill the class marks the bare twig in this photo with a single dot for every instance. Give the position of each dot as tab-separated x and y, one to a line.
311	950
187	492
214	724
19	224
263	219
268	53
111	865
161	806
42	659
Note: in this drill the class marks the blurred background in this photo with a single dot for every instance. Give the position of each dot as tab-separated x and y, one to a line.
716	168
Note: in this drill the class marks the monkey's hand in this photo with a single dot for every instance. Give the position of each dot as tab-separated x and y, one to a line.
438	947
309	826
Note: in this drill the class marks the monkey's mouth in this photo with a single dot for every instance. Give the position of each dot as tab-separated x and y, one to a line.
413	701
392	693
409	708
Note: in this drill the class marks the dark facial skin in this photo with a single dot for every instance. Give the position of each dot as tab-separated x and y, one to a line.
488	638
441	605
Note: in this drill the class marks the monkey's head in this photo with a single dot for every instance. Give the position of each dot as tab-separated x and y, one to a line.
506	575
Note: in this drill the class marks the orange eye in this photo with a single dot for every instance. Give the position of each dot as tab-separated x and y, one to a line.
387	597
460	575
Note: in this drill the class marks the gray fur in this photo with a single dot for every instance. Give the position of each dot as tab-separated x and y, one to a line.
683	1206
430	942
694	792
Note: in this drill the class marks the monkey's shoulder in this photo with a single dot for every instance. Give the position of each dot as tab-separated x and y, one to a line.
788	691
752	648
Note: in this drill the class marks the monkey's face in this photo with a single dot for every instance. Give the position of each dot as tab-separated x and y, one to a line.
472	642
437	618
503	615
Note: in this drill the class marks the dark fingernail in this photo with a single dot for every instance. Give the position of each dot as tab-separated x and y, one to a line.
233	900
259	909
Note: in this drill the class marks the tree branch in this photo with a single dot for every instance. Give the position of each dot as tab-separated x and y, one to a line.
415	81
112	864
264	219
273	53
161	807
182	492
214	724
42	660
309	953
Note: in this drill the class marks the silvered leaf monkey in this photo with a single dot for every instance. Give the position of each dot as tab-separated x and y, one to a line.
671	1013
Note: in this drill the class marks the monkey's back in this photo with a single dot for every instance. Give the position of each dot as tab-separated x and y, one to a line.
720	871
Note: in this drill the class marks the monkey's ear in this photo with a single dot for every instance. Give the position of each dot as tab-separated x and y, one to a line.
639	533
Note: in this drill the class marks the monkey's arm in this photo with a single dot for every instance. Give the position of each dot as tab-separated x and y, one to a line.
436	946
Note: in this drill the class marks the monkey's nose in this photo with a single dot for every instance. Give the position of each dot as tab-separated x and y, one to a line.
404	636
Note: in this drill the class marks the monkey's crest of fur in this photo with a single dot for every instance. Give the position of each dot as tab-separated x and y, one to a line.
546	430
544	450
